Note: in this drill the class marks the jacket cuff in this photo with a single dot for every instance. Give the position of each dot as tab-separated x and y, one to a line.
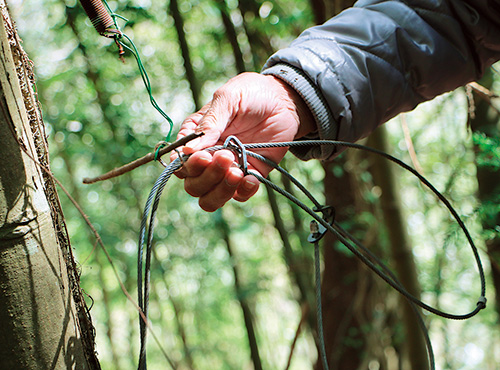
327	128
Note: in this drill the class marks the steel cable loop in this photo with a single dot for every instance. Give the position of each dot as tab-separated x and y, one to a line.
482	300
385	274
143	284
242	151
395	283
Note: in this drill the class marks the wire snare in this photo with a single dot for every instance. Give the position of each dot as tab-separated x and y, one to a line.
357	248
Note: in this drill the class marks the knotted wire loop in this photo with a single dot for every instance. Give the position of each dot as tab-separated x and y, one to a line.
236	146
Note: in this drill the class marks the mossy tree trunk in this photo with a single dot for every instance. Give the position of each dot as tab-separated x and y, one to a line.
44	319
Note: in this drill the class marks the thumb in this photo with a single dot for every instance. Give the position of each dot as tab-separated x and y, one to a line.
218	115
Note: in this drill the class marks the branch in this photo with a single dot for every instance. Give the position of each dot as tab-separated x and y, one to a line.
484	93
410	146
143	160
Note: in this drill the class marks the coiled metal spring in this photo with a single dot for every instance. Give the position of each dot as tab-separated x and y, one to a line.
100	18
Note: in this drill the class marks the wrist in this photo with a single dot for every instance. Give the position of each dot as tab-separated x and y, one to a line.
306	122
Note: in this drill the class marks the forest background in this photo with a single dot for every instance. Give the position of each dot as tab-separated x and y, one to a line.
230	288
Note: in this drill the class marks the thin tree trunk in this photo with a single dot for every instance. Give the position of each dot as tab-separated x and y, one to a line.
344	340
400	248
42	312
244	304
301	279
259	42
232	35
90	70
188	65
298	226
319	11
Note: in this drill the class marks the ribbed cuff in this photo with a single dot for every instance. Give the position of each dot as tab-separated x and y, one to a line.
327	128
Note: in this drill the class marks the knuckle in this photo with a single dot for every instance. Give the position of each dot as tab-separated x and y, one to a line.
223	93
192	189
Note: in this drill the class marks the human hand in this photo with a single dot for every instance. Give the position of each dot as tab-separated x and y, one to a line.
254	108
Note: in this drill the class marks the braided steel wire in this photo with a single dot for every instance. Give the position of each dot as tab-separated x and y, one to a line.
143	278
243	151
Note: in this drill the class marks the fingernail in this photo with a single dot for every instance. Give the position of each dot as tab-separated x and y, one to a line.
233	179
248	185
205	161
222	160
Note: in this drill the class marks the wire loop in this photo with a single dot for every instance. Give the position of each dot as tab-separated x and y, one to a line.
242	152
161	144
236	146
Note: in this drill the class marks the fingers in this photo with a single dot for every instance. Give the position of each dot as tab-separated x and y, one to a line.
203	176
247	188
234	185
253	108
215	180
222	192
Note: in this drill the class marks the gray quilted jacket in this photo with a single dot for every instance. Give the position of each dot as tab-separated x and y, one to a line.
381	58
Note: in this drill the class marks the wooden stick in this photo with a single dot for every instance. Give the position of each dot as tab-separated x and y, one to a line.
143	160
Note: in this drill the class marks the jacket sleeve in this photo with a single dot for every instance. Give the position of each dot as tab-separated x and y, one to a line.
381	58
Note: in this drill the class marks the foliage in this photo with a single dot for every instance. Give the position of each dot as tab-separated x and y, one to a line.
98	117
488	150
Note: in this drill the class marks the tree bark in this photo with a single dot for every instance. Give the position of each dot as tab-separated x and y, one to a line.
486	122
186	56
232	35
43	315
243	301
401	250
344	339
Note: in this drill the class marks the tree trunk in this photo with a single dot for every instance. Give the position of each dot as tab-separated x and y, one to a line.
186	56
260	43
43	315
344	339
301	277
242	300
486	122
231	35
401	251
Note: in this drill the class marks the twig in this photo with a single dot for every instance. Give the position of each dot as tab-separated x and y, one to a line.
484	93
409	145
305	311
143	160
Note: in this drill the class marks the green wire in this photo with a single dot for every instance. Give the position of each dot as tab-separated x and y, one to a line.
145	79
144	75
